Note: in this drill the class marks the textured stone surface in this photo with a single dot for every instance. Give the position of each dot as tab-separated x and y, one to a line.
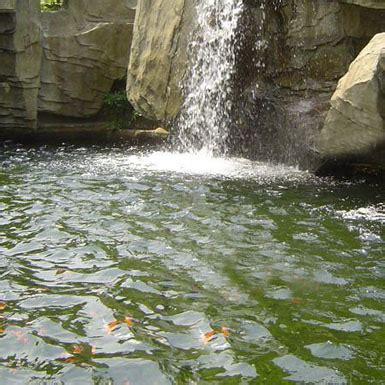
20	57
86	48
376	4
155	68
7	5
355	124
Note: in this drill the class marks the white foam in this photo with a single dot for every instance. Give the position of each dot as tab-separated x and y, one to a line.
370	213
204	164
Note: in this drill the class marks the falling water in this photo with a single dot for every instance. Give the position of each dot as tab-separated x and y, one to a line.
206	113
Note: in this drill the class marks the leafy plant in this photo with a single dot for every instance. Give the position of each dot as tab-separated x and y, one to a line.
51	5
117	108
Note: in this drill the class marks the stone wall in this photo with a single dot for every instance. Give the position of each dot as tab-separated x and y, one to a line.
355	123
62	63
20	56
86	48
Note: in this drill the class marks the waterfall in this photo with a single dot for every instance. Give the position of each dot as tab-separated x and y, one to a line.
205	117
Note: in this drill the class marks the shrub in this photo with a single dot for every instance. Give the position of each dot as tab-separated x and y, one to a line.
51	5
118	109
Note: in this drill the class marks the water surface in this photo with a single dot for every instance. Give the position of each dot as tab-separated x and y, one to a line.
228	271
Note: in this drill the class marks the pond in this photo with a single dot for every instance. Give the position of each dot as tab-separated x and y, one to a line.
134	266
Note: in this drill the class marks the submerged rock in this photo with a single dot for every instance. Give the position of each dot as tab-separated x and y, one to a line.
355	123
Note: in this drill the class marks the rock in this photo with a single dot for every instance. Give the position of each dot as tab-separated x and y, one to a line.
8	6
159	132
376	4
86	49
157	61
20	57
355	123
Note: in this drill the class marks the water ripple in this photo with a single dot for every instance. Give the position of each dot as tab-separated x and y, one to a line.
153	268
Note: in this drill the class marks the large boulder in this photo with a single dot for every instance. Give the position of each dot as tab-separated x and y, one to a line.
157	61
86	49
355	124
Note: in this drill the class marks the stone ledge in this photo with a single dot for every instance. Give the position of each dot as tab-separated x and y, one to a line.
375	4
90	133
7	6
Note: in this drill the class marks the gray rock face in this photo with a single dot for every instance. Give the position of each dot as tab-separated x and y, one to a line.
60	63
376	4
355	124
158	58
86	48
288	63
8	5
20	56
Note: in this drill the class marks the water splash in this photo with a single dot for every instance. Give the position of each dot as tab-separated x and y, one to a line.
206	113
370	213
203	165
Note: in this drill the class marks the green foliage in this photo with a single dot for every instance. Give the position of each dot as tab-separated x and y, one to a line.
117	101
118	109
51	5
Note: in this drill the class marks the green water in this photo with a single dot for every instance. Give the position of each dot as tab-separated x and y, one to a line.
294	266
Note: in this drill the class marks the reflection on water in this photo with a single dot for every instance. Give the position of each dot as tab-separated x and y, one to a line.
152	268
